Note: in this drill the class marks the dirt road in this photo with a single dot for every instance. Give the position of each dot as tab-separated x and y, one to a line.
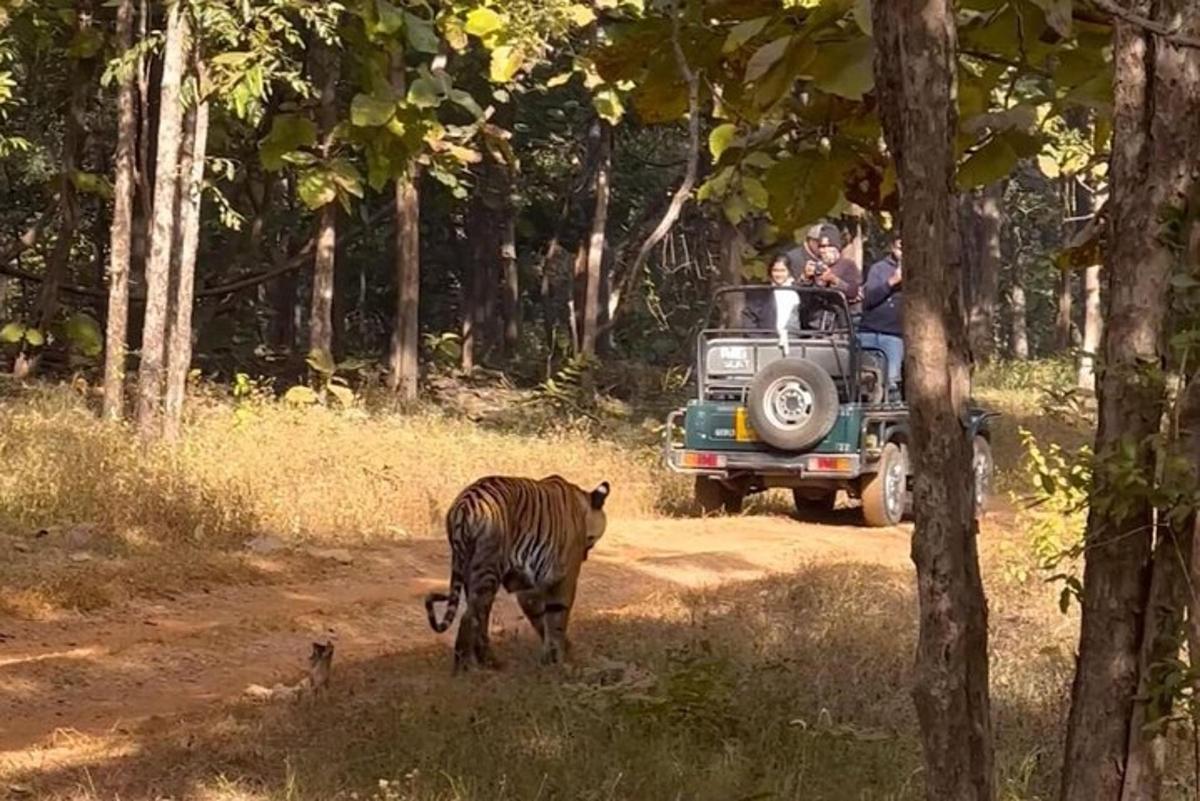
93	674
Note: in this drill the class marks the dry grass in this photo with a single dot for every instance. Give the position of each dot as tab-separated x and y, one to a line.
786	688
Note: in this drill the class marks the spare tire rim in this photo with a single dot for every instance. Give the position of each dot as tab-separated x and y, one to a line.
788	402
893	488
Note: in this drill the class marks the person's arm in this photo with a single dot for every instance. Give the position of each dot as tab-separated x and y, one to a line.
845	279
878	288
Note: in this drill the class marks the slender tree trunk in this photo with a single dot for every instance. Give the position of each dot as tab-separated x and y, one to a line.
320	325
914	69
1092	328
1019	337
121	242
1062	317
158	265
853	249
732	243
191	173
1155	138
987	259
596	239
403	368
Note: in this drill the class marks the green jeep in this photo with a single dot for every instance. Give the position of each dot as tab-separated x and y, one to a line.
805	407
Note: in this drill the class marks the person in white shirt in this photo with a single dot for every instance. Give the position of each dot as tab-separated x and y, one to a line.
775	311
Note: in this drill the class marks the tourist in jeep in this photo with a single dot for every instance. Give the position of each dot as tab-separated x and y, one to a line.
881	326
774	311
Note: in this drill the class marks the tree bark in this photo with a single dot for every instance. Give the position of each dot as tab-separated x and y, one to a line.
403	368
987	276
1062	316
1018	308
320	320
914	70
158	265
732	243
191	172
121	241
596	239
1093	322
1156	112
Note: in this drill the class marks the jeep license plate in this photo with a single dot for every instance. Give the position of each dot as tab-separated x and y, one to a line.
742	430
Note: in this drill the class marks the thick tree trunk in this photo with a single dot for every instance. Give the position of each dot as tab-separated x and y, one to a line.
914	69
596	239
121	240
320	320
1156	113
158	265
191	181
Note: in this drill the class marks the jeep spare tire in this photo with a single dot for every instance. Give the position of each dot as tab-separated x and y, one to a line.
793	404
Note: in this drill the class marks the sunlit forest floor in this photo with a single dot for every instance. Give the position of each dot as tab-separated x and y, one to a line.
719	658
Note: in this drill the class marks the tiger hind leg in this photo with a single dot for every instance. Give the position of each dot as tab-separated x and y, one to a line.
473	644
534	607
557	614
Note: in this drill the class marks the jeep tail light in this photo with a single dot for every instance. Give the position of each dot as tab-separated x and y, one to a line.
829	464
702	459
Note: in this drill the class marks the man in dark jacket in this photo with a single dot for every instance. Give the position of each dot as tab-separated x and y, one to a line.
883	312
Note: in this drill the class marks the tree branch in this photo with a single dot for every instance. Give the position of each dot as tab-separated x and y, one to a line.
1169	33
692	78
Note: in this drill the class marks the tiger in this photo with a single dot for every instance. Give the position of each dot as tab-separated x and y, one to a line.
529	536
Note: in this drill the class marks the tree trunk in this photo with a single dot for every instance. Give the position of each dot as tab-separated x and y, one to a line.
1156	111
987	260
320	321
121	241
1062	317
853	223
595	251
1092	328
191	172
1019	337
914	68
732	243
404	368
158	264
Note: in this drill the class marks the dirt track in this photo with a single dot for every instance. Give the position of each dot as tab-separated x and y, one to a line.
110	671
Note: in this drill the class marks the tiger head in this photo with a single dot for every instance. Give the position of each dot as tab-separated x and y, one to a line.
596	520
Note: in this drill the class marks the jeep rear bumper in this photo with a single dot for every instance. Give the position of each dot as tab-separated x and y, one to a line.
725	464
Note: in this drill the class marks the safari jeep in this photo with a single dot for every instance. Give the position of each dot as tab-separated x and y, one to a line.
805	407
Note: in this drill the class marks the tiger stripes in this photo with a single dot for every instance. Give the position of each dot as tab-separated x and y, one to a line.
529	536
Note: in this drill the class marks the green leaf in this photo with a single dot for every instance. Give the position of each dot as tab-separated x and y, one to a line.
559	80
862	16
12	333
719	139
423	94
34	337
1048	166
845	69
420	34
322	361
232	59
743	32
90	183
300	158
756	193
344	395
483	21
987	165
370	111
289	132
608	105
83	332
347	177
581	16
1058	15
316	188
766	56
300	395
86	43
391	19
464	99
506	60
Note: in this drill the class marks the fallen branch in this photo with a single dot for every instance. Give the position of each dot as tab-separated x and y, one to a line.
692	78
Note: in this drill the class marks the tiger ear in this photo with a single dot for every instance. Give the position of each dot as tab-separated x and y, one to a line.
599	495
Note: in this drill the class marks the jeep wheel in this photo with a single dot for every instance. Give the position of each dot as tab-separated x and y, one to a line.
813	504
792	404
983	466
713	496
883	492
